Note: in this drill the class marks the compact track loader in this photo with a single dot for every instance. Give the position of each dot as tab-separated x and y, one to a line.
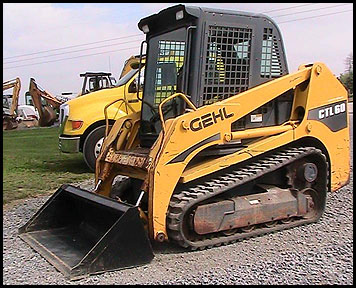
228	145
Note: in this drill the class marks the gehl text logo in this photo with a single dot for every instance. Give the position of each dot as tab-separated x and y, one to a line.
209	119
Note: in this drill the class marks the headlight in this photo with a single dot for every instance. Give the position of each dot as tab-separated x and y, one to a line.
179	15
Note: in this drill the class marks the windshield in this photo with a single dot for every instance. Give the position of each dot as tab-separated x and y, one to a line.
126	78
164	66
28	99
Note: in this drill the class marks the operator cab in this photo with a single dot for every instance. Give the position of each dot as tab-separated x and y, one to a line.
6	101
208	55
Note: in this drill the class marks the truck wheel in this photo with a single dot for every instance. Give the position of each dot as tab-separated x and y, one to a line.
92	146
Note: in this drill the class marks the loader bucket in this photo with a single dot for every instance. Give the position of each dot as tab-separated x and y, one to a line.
82	233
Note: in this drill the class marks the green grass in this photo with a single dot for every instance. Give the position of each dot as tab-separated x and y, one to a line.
33	164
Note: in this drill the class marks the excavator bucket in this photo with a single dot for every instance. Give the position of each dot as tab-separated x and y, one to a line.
82	233
48	117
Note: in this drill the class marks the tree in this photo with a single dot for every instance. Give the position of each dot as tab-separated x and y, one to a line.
349	63
347	77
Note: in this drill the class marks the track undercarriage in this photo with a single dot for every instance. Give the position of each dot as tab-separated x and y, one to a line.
276	192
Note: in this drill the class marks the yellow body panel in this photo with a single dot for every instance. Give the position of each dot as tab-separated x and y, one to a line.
327	90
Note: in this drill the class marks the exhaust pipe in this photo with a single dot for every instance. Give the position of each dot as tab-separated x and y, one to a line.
82	233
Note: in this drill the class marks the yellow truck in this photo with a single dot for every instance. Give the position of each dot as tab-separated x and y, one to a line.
82	120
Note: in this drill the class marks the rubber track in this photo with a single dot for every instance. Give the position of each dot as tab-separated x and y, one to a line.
183	200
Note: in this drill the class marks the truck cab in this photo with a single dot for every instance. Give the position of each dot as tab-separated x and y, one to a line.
82	119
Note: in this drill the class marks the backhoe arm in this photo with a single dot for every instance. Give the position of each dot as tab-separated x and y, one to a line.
46	113
16	84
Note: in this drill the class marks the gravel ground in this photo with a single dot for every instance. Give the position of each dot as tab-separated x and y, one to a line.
320	253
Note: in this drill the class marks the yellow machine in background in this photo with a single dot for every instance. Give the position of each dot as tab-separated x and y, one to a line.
9	111
132	61
45	103
95	81
228	145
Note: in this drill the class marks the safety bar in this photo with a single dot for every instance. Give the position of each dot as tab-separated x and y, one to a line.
106	115
260	132
168	99
139	70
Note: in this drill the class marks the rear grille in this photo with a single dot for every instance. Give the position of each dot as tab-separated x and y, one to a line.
63	113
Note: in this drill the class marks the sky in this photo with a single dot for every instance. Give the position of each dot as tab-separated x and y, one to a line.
55	42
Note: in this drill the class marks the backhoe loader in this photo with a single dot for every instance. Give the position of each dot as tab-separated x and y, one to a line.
45	103
227	147
130	64
9	115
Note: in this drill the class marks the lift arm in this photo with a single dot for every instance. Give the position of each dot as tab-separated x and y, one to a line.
16	84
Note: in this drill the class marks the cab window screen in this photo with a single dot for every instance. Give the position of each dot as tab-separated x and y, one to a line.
170	52
271	66
227	63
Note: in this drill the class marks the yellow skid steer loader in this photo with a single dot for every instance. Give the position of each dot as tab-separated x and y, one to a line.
228	145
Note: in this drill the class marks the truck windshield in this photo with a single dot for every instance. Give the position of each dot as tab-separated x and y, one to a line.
126	78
